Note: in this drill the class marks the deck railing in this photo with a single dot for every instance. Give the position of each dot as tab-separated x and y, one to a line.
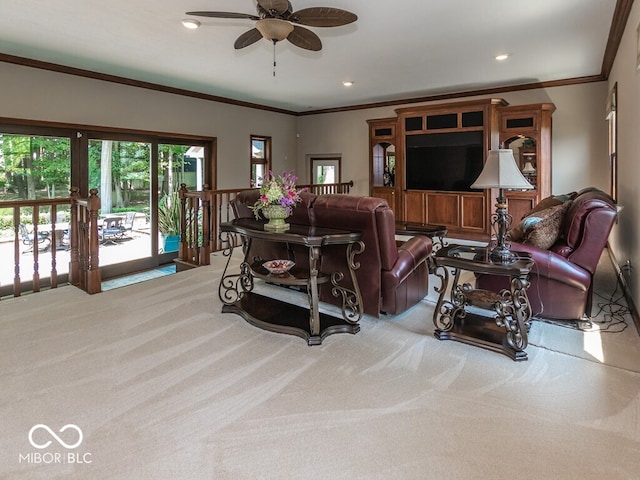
203	212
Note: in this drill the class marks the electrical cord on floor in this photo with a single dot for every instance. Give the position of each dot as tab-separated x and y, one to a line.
615	315
615	312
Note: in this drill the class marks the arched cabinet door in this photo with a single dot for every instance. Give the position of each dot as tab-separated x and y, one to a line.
382	162
526	129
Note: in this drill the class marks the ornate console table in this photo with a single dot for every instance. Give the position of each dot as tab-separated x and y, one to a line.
236	288
505	331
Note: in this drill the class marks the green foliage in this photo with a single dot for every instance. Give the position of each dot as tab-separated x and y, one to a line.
35	164
6	222
169	214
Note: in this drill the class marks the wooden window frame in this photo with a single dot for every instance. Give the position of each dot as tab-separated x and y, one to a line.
266	160
612	121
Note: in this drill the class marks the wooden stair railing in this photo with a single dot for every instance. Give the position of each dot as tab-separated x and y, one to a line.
82	231
84	264
35	284
203	211
195	234
329	188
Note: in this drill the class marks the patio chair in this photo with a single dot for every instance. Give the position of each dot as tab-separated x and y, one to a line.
128	223
111	231
44	242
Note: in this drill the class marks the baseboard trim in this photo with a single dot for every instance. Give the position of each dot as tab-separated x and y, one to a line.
625	289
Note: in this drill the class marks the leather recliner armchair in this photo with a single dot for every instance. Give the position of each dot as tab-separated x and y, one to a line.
561	285
391	278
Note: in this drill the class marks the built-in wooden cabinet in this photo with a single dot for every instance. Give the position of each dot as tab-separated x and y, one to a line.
526	129
441	151
424	160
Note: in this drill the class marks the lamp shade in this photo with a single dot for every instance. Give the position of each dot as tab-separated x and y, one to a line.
501	171
274	29
529	168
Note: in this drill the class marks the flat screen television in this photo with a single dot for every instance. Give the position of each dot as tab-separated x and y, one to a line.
444	161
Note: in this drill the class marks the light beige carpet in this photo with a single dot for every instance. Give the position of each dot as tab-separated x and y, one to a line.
164	386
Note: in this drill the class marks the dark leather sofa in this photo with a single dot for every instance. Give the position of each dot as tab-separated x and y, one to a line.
391	277
562	279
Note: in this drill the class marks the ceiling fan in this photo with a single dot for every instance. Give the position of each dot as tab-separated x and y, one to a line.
276	21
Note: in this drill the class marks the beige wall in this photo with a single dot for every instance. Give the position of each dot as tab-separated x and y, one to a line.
579	136
624	240
33	94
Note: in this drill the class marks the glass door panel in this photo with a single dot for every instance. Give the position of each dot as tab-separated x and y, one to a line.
121	172
34	167
177	164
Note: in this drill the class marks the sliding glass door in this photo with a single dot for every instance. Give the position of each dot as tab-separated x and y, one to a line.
137	175
121	172
138	182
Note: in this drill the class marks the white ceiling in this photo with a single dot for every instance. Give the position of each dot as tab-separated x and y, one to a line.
397	49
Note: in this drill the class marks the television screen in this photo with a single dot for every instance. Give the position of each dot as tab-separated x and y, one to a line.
444	161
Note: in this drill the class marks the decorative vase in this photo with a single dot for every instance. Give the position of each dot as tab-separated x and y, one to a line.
276	214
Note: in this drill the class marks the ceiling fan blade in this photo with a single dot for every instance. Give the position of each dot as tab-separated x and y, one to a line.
279	6
303	38
247	38
224	15
322	17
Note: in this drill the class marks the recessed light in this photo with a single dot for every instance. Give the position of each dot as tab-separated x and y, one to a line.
190	23
502	56
348	83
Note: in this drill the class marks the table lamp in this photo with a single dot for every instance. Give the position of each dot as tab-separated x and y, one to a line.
500	171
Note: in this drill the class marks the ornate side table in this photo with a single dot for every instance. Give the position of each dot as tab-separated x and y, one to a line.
236	288
498	321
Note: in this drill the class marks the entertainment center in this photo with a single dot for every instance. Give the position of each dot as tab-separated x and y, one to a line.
424	160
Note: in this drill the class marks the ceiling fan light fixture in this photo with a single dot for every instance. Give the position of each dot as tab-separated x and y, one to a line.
190	23
274	29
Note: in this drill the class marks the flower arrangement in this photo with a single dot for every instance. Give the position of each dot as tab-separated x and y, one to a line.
278	190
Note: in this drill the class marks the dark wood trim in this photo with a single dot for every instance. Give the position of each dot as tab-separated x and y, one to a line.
79	72
618	24
39	124
27	62
459	95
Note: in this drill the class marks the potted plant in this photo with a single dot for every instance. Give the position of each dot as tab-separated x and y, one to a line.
169	221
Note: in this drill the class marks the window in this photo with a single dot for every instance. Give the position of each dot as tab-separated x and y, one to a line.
325	170
34	166
260	158
612	103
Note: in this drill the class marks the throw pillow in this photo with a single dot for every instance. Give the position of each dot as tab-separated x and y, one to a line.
517	233
542	228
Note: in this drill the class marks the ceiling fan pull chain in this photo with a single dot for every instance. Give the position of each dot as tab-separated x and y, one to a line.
274	58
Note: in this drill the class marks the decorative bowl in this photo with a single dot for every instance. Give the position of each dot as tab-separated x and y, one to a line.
278	267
